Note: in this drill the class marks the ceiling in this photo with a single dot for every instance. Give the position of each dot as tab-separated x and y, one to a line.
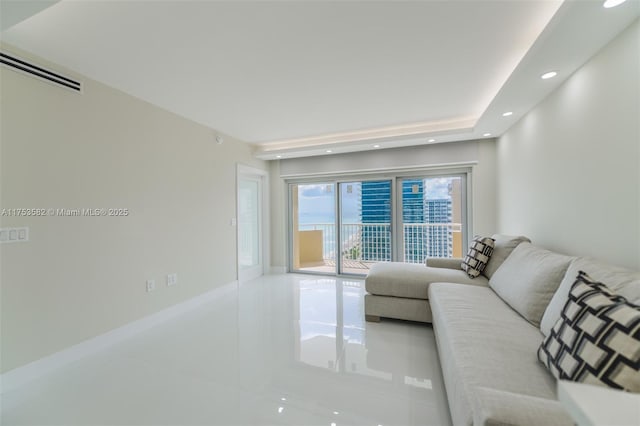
299	78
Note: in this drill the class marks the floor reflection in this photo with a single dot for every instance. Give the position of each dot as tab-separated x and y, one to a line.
282	350
334	335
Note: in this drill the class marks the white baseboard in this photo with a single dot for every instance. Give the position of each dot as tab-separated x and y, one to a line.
18	376
275	270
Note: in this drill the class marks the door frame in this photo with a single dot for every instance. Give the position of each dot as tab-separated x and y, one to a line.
395	175
262	176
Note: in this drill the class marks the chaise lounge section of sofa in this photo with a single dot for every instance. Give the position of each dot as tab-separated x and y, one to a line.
401	290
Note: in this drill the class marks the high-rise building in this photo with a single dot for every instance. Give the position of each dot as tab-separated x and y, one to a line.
413	214
376	219
376	202
439	239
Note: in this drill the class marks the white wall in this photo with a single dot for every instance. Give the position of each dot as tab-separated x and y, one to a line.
79	277
569	171
278	204
481	153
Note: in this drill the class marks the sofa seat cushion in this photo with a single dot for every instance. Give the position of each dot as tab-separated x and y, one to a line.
484	343
410	280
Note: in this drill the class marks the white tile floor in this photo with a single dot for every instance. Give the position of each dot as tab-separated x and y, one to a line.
283	350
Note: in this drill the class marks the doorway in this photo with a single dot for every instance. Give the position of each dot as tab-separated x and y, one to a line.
251	222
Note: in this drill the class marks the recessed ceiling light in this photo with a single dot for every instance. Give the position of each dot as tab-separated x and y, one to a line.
278	156
548	75
486	134
508	113
613	3
328	151
431	140
376	146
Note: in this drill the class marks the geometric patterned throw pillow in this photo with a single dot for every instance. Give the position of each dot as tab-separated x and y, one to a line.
597	338
478	255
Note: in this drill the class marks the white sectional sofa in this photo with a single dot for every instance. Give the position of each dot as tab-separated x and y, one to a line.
488	333
401	290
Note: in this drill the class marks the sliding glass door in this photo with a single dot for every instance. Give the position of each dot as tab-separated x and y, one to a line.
345	226
365	225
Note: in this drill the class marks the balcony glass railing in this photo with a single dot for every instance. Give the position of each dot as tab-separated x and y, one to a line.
363	244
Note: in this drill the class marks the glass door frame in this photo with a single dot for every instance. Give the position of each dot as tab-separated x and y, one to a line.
395	176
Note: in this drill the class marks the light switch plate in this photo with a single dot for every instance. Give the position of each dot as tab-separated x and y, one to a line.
14	235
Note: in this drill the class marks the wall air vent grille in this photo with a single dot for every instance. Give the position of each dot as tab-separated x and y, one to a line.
39	72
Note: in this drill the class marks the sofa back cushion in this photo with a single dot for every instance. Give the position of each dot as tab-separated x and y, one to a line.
528	278
503	246
622	281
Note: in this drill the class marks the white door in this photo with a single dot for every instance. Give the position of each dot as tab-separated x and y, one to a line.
250	226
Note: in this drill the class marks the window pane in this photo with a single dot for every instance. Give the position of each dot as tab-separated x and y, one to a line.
365	225
432	218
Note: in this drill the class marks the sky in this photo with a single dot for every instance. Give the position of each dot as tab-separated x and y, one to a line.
437	188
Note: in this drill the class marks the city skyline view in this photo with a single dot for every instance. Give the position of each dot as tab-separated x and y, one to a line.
317	201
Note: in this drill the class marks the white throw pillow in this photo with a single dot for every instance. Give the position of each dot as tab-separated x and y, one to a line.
528	278
620	280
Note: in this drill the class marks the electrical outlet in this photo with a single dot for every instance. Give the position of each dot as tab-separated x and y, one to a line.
172	279
151	285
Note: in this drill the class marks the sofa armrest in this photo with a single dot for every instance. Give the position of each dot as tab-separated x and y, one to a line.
444	262
492	407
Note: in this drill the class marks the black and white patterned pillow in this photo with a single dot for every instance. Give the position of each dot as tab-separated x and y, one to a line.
597	338
479	253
